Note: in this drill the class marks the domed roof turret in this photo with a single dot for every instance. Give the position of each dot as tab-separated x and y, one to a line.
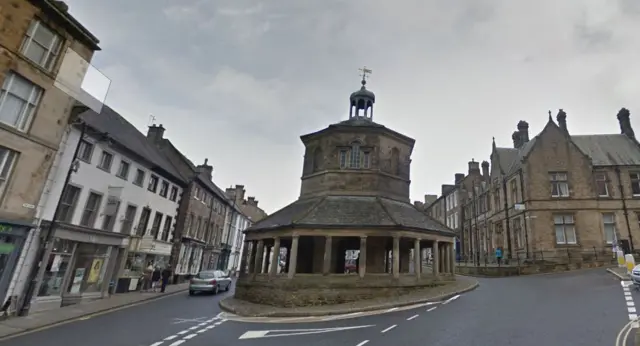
362	100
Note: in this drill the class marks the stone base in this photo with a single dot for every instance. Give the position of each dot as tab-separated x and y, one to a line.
528	269
317	290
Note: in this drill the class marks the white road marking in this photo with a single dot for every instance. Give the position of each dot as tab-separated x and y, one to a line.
156	343
171	337
412	317
255	334
363	343
183	332
194	327
431	309
388	329
179	342
333	317
451	299
392	309
190	336
631	307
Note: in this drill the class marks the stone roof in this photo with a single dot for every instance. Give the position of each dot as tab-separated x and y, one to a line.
359	123
125	134
350	212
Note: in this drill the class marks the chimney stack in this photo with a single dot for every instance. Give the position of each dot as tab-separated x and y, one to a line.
562	120
516	139
429	200
155	133
625	123
523	129
485	169
446	188
252	201
458	177
474	167
206	169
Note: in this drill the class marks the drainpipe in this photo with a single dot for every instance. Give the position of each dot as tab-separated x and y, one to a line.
526	229
624	206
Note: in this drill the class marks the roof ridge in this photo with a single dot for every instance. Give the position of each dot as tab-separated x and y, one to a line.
302	215
384	208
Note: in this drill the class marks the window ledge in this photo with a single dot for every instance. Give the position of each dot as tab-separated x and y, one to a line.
108	170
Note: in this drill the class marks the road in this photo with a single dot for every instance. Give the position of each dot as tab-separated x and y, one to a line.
580	308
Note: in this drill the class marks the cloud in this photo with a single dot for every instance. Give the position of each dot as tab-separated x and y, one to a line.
239	81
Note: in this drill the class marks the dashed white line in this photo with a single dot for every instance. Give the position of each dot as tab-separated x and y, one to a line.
171	337
431	309
388	329
183	332
363	343
157	343
392	309
631	306
179	342
203	327
451	299
190	336
412	317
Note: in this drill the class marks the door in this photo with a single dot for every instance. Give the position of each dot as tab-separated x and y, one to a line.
10	248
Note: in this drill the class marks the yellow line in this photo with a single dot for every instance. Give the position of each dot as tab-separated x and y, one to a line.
86	317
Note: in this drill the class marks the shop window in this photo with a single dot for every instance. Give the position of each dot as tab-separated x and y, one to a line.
57	266
134	265
88	274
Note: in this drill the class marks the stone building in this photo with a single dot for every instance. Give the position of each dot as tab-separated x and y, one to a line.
201	217
354	198
560	195
34	114
248	214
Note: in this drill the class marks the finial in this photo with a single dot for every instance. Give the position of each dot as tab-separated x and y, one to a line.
365	74
206	161
550	118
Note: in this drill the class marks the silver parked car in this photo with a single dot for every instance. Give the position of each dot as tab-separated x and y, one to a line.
211	281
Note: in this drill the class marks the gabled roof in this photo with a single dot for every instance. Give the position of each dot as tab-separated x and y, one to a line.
350	212
125	134
601	149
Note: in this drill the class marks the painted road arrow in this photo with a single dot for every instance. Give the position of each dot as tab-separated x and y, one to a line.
256	334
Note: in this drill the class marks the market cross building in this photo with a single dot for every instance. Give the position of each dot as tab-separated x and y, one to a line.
354	199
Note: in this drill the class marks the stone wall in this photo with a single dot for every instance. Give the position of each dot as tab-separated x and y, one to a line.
314	290
494	271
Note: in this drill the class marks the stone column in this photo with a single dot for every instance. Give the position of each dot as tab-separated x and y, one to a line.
326	265
362	261
396	257
275	256
265	260
417	263
246	256
436	258
257	264
447	257
293	258
452	258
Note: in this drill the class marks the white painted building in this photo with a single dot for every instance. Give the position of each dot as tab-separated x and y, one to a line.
117	213
241	223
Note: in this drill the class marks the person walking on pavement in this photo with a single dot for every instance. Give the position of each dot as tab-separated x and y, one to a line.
155	279
148	273
166	274
499	255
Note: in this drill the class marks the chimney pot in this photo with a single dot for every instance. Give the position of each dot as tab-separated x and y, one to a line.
485	169
523	129
474	167
155	133
562	120
515	136
458	177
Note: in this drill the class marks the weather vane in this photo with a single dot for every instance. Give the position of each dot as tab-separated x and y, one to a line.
365	72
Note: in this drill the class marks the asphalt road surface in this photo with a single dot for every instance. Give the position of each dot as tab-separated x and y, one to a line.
581	308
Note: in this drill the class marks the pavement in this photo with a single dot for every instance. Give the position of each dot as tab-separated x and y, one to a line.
587	308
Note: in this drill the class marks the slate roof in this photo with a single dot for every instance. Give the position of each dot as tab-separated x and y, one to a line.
358	122
350	212
128	136
603	149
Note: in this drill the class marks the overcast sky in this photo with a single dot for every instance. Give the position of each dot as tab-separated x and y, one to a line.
238	81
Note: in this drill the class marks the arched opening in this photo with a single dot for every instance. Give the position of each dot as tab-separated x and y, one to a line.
354	157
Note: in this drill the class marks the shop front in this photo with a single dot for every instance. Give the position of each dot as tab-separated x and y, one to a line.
143	252
78	267
12	239
189	260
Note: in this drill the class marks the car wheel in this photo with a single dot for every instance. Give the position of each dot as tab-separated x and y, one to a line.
216	289
191	292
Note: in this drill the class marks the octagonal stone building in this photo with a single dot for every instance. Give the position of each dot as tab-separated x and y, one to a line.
353	233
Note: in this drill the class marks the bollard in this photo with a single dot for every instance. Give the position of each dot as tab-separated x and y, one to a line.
630	262
620	257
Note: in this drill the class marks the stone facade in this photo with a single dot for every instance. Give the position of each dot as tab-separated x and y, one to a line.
559	195
201	216
352	234
34	141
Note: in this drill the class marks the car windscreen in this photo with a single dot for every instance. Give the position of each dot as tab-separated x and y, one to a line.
205	275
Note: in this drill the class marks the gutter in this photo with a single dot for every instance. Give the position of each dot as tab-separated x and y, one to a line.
624	206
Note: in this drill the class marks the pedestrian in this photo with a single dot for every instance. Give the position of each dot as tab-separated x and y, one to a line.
148	273
166	274
499	255
155	279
